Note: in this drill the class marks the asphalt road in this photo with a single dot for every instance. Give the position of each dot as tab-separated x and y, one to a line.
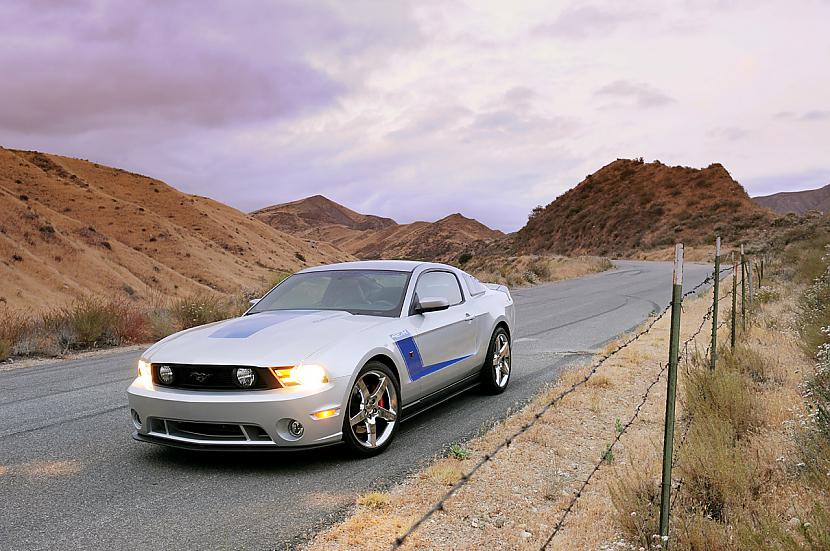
72	478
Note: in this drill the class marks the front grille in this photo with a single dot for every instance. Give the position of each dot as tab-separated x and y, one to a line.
212	377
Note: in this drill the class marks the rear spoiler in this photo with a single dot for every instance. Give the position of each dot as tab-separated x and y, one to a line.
497	287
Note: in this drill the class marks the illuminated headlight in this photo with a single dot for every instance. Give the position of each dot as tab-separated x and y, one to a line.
166	374
305	375
144	372
245	376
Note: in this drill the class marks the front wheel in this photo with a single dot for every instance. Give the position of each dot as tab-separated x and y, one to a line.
496	371
372	411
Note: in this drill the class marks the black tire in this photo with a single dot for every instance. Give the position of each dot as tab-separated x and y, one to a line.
378	408
491	382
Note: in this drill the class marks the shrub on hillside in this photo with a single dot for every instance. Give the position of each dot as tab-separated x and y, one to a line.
13	326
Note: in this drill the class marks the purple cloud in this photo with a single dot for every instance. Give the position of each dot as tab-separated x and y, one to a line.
585	21
643	95
809	116
87	66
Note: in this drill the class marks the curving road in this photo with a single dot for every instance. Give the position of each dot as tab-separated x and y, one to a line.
71	477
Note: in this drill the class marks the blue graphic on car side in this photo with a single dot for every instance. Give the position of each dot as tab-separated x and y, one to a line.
412	357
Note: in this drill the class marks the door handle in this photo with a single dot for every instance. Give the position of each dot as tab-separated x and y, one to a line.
468	316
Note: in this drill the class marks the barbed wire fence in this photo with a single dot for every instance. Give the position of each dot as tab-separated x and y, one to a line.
717	273
487	457
643	399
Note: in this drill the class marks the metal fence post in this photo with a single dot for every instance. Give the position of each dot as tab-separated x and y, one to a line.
743	289
734	297
751	284
713	357
671	391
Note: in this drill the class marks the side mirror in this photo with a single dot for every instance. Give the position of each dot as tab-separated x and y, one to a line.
431	304
253	301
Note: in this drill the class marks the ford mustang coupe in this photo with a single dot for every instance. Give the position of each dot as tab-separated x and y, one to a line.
334	353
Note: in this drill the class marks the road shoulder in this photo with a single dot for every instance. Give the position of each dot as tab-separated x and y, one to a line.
515	499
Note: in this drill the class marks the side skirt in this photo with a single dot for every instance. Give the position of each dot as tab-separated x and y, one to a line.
440	396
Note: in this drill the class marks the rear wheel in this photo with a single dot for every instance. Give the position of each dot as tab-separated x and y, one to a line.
497	368
372	410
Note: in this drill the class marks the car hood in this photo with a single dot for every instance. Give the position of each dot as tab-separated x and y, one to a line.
265	339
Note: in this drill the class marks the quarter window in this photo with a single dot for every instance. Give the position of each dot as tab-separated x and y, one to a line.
439	285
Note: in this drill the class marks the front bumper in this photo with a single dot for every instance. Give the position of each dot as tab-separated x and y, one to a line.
256	419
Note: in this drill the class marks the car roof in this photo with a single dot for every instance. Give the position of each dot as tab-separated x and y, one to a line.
397	265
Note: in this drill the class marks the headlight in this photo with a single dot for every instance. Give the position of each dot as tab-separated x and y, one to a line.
144	372
306	375
245	376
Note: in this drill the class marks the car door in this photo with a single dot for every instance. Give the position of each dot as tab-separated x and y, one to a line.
444	341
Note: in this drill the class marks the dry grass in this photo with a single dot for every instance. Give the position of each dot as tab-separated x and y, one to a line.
520	271
373	500
754	468
446	472
91	323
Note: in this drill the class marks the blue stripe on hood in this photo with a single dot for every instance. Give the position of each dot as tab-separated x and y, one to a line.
248	325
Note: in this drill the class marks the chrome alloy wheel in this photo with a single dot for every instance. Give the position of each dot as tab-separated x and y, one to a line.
501	360
373	407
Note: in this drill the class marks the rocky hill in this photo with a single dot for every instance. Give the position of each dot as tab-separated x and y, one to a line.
70	227
799	202
629	206
314	212
371	237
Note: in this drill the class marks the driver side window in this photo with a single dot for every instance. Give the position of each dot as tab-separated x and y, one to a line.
439	285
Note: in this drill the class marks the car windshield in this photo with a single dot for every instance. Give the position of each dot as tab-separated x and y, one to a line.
366	292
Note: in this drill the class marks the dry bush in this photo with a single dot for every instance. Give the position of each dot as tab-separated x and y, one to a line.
723	395
446	472
635	495
699	533
131	322
599	381
523	270
13	327
194	310
373	500
718	479
747	360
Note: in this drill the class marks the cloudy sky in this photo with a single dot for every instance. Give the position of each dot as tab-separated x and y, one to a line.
418	110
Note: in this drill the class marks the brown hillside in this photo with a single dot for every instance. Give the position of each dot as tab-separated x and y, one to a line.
316	211
798	202
70	227
630	206
372	237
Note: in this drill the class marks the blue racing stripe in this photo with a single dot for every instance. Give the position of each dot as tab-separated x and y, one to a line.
248	325
440	365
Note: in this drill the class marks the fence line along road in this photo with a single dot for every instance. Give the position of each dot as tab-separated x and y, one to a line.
560	524
439	505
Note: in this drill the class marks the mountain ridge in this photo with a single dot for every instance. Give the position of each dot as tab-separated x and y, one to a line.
799	202
371	237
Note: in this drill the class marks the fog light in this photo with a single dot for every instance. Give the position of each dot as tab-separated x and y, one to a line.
166	374
136	419
245	376
295	428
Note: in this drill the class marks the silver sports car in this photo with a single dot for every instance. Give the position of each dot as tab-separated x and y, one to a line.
335	353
